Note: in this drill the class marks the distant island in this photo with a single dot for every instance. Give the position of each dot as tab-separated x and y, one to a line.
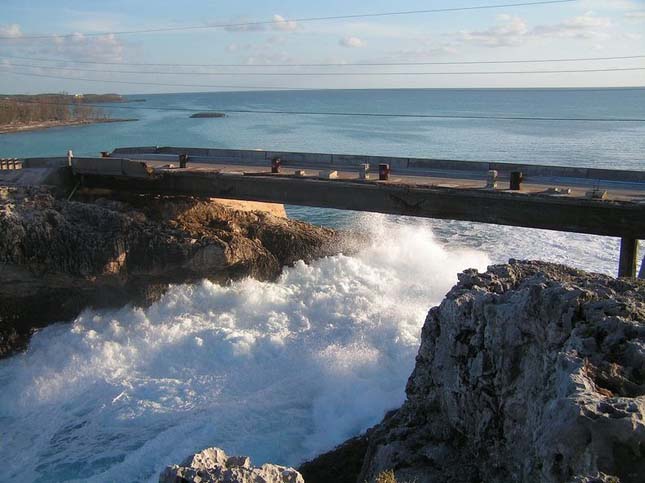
41	111
206	115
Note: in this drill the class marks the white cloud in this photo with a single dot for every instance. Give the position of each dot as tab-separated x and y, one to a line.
276	39
513	30
610	4
638	15
585	26
633	36
93	20
243	24
510	30
265	56
12	31
102	48
352	42
284	25
263	52
422	53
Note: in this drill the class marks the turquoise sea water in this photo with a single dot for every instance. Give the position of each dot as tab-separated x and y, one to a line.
612	145
283	371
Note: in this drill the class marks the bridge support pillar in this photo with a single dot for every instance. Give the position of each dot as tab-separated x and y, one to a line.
628	257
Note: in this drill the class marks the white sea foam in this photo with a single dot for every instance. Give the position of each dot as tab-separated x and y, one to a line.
280	371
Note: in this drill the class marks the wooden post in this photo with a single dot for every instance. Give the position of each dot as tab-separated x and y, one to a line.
641	274
628	254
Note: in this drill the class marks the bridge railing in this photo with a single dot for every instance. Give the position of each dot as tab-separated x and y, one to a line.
399	164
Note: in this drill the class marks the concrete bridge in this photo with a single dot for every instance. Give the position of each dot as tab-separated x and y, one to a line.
571	199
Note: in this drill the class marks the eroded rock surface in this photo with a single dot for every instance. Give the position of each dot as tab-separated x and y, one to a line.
213	466
529	372
58	257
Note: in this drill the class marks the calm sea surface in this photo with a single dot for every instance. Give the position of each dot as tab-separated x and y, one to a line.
612	145
282	371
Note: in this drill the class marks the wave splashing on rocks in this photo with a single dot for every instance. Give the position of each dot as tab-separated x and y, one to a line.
280	371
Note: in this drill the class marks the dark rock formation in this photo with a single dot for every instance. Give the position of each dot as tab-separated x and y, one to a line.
529	372
59	257
207	115
213	466
342	465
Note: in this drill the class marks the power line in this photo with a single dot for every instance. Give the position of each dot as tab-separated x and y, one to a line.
359	64
347	114
301	20
208	86
161	84
328	74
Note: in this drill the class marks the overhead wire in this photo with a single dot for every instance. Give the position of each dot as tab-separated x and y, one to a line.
206	86
328	74
159	84
278	22
409	12
333	64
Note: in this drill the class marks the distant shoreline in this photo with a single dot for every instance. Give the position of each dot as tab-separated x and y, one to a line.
40	125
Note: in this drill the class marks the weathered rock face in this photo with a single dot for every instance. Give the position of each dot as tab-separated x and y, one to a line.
58	257
529	372
213	466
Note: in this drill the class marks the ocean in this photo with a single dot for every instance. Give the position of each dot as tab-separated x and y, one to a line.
283	371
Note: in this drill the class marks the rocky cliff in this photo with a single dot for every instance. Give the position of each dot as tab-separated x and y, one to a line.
58	257
529	372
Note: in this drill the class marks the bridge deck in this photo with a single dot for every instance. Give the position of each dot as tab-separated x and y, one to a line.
616	190
440	189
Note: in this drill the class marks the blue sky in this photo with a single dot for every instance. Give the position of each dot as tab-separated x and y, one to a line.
584	28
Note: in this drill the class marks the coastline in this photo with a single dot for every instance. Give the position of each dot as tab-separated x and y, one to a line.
41	125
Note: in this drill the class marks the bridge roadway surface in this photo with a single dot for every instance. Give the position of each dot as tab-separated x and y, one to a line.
616	190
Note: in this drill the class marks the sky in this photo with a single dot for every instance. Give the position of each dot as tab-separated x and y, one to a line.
582	28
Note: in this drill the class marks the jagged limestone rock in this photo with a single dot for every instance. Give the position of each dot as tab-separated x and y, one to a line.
530	372
213	466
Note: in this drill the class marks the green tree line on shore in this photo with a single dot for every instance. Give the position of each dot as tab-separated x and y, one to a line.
46	107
